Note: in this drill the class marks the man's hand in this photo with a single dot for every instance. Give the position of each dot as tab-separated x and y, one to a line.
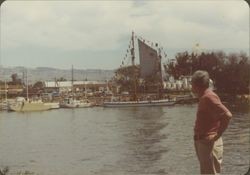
216	137
212	138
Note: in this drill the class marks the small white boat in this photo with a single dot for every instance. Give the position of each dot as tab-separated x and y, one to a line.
73	103
53	105
145	103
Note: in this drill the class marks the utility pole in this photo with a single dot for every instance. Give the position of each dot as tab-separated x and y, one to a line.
27	86
160	73
72	81
23	77
6	91
72	76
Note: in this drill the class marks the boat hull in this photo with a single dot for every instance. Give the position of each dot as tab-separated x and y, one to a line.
80	105
53	105
139	103
27	107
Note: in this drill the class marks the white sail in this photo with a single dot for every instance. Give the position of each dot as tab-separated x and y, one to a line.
149	63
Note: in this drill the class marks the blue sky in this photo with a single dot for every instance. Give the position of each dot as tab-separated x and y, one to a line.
95	34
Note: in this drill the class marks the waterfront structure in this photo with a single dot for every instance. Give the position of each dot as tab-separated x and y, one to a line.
78	86
11	89
183	83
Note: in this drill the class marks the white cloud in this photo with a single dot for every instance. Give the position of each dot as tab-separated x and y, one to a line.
71	25
104	25
83	24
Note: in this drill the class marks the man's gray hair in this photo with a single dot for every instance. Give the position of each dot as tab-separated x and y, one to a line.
201	79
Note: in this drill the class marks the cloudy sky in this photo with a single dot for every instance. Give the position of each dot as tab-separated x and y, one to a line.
96	34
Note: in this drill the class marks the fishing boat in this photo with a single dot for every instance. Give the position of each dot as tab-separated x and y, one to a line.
23	105
26	105
72	102
53	105
149	70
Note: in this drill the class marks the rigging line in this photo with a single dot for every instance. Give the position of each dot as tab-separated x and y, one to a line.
127	63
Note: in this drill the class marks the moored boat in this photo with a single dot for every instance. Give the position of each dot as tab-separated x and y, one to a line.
21	105
53	105
148	71
73	103
145	103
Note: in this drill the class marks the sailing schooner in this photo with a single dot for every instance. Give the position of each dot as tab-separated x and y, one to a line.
149	72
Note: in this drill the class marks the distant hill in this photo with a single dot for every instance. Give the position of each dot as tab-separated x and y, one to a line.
47	73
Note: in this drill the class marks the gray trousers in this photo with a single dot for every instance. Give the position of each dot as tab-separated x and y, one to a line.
209	155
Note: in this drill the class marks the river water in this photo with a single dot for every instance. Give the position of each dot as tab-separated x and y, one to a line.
127	141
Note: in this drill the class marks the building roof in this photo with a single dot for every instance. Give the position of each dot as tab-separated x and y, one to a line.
69	83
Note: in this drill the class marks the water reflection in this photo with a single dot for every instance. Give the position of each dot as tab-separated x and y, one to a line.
143	141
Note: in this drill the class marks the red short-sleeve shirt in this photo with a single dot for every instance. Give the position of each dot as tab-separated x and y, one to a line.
210	110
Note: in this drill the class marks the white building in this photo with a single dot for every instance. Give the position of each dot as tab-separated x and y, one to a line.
66	86
183	83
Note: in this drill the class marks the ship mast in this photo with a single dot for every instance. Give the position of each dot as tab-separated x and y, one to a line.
72	81
6	91
160	75
133	49
27	85
134	67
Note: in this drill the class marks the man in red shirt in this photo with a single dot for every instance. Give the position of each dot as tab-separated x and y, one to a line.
212	119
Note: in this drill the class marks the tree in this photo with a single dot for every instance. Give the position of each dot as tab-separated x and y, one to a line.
15	79
126	77
38	85
61	79
231	73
